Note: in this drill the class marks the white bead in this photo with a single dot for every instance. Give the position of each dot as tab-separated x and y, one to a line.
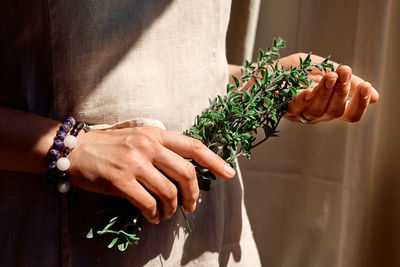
63	164
70	141
63	187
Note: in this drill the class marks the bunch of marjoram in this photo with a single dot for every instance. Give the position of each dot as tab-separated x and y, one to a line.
256	101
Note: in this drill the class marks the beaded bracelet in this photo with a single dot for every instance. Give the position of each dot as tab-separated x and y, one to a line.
57	177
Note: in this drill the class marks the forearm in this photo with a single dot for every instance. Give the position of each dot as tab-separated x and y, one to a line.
25	139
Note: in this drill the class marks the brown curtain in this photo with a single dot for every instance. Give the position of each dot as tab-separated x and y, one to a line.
327	194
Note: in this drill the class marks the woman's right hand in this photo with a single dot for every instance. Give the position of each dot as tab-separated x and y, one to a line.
128	162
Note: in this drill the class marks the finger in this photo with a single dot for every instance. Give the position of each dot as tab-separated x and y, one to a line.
322	96
358	103
160	186
298	104
374	96
188	147
337	102
183	172
139	197
356	81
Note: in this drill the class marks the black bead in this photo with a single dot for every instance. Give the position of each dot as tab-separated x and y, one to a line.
66	152
79	126
74	132
63	176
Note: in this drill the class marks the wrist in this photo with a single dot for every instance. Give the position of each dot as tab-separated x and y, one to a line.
64	143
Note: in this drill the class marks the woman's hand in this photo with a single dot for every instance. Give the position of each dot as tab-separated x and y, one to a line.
328	96
131	163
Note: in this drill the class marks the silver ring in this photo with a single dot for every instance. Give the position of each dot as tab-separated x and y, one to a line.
303	119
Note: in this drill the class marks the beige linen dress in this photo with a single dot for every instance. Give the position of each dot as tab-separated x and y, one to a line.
106	62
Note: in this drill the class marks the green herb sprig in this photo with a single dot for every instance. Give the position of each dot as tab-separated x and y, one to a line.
229	126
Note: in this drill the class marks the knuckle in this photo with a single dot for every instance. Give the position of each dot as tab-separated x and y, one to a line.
170	193
146	143
325	94
149	206
143	140
342	93
195	195
196	145
168	212
192	197
128	141
140	169
189	171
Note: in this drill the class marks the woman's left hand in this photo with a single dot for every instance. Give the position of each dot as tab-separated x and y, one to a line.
334	95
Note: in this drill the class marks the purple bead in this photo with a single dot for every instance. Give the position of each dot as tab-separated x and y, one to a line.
58	144
68	123
71	121
61	135
52	164
54	153
65	127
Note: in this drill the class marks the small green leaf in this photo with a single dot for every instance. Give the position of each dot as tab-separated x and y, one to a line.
90	233
274	117
112	243
307	60
269	101
319	66
229	88
326	59
236	81
123	246
293	91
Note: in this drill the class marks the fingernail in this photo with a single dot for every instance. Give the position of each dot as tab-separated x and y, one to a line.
157	218
229	171
191	209
365	91
346	77
330	83
155	221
